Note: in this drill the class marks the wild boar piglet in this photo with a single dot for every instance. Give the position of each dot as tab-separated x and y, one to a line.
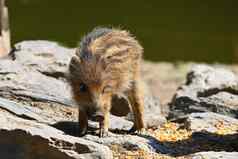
107	63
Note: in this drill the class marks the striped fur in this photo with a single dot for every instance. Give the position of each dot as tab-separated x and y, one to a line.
105	57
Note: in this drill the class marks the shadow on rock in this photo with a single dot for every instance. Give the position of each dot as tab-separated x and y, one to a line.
68	127
72	128
198	142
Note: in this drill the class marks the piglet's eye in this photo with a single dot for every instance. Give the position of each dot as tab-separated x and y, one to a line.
107	89
83	87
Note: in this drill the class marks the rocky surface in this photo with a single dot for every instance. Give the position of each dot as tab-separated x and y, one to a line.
29	139
214	155
36	73
38	118
210	132
210	122
207	89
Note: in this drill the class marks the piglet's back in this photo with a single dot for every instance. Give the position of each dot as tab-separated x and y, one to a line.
107	53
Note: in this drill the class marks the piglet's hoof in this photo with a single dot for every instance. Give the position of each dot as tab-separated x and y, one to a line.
103	133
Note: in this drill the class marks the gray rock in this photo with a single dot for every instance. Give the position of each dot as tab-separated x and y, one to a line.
153	116
214	155
38	72
18	81
116	124
34	113
131	142
46	57
210	132
152	112
21	138
207	89
209	122
21	110
204	137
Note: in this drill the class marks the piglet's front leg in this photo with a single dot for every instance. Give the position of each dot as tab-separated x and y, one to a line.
83	122
104	125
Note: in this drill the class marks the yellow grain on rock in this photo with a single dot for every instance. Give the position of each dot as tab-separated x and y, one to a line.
169	132
225	128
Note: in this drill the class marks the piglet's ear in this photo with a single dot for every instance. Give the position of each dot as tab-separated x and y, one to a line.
75	60
77	52
74	64
78	56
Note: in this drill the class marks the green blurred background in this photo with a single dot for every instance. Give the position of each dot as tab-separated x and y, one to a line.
172	30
